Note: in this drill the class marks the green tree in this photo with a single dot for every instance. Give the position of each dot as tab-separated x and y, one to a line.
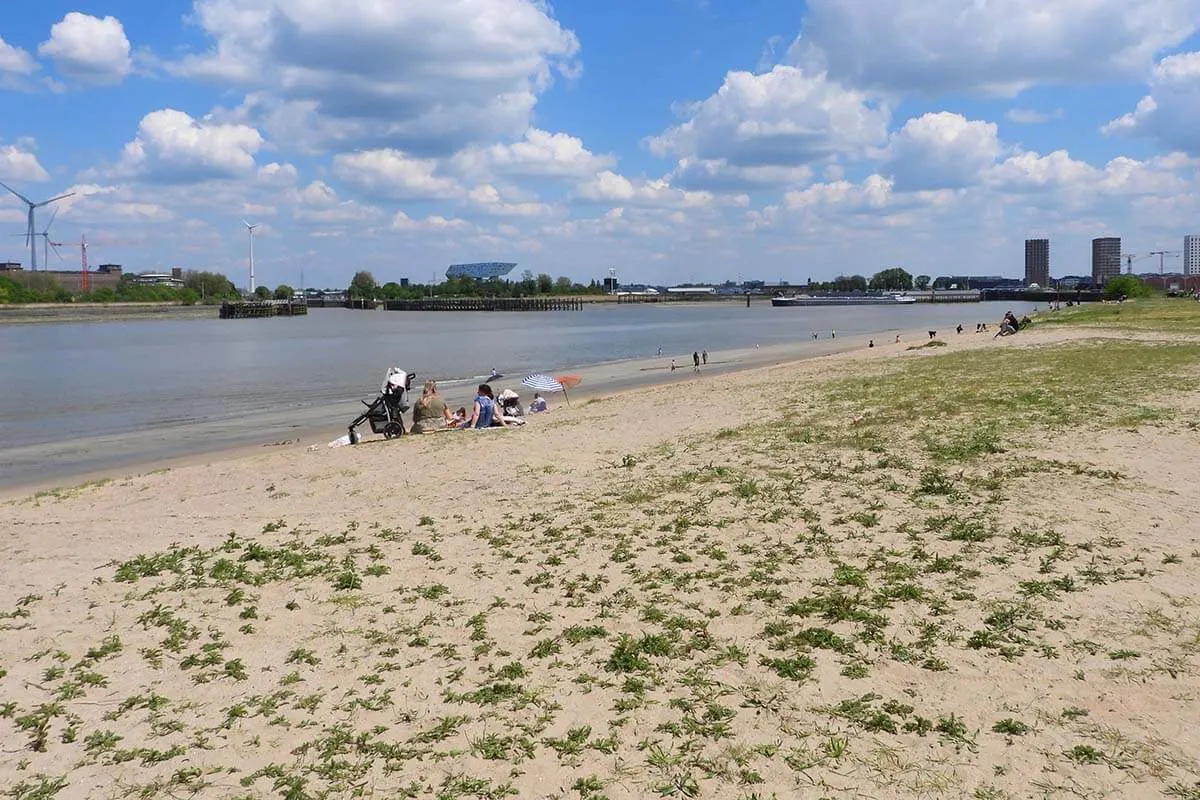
852	283
545	283
921	282
262	292
892	280
188	297
211	286
363	285
284	292
1125	286
562	286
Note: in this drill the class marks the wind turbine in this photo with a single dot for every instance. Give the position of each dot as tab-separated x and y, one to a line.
46	243
31	231
250	230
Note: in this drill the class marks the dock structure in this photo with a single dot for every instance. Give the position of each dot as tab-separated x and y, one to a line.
486	304
624	298
250	309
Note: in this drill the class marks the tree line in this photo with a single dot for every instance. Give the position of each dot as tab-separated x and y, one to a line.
895	279
364	286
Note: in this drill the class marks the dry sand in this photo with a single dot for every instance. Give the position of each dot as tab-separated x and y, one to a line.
601	604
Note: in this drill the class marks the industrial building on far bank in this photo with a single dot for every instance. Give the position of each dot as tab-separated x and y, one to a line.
105	276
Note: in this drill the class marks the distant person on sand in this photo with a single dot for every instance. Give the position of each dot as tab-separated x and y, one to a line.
672	365
704	357
660	351
695	361
833	334
814	336
897	338
959	328
871	343
538	405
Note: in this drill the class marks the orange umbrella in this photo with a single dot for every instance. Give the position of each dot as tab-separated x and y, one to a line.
568	382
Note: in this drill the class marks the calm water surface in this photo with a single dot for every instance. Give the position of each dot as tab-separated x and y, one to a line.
94	393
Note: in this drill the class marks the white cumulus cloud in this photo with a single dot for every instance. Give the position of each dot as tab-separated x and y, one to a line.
15	60
538	154
941	151
609	187
19	163
1170	113
992	46
89	49
172	147
785	117
395	175
424	77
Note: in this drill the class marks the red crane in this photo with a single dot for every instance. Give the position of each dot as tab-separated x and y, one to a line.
85	283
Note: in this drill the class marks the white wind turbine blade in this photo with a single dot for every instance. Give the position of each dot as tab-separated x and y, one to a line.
24	199
52	200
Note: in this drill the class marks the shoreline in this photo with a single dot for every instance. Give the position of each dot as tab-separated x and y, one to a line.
605	379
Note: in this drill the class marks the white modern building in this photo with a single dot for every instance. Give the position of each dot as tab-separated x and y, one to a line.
1191	254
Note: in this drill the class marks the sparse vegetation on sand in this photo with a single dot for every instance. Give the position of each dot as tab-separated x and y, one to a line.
938	575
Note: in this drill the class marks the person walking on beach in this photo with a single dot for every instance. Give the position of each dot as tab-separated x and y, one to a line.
660	351
695	361
672	365
704	357
833	334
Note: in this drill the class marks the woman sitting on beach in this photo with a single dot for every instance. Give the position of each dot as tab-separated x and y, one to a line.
430	412
483	412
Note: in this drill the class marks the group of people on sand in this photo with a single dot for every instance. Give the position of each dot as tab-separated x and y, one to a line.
430	413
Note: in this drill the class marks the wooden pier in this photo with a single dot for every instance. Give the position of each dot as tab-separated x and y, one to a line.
250	309
486	304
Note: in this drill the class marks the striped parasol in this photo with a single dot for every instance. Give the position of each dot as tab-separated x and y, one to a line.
544	383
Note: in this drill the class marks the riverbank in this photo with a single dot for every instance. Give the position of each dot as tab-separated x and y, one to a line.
956	571
26	314
290	424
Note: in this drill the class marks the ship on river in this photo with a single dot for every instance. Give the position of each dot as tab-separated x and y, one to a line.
891	299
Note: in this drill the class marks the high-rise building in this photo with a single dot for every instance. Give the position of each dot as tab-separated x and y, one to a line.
1106	259
1191	254
1037	262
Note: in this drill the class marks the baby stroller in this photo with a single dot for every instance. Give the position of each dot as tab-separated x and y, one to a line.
510	403
385	411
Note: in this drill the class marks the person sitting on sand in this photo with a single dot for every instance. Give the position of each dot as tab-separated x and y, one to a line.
483	412
459	418
430	412
538	405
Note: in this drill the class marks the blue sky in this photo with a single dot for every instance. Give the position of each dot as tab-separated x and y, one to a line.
674	140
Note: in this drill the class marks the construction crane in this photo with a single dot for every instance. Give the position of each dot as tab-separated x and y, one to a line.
85	281
1162	253
1132	257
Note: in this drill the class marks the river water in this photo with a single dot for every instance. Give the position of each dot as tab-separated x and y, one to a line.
80	396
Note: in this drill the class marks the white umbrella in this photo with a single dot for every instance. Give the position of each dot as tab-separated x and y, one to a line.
544	383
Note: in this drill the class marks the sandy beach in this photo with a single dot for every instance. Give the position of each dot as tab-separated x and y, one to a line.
100	454
956	570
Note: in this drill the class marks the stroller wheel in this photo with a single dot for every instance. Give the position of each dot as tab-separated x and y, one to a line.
392	430
354	437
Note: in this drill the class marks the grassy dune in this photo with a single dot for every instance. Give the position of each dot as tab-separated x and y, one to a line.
943	575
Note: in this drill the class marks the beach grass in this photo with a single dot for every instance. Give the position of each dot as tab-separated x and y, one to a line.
1160	314
912	583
